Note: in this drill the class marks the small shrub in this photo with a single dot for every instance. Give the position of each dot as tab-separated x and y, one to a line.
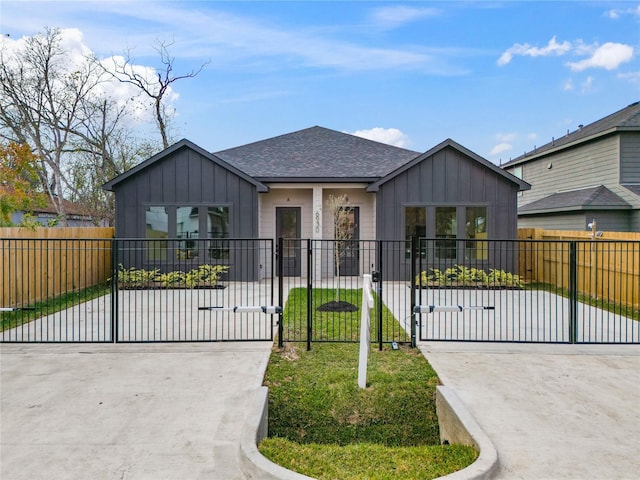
204	275
504	279
461	276
136	276
172	279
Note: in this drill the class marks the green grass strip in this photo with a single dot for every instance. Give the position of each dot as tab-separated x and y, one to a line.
367	461
335	326
333	429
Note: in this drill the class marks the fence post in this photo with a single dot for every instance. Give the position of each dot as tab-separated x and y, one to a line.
379	293
280	291
309	293
414	255
573	291
114	290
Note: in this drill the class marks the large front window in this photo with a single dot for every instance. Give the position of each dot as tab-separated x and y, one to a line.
446	229
186	224
449	225
476	228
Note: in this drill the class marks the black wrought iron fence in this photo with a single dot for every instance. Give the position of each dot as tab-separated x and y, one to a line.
139	290
323	299
535	291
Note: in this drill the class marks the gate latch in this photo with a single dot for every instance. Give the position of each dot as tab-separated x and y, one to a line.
375	276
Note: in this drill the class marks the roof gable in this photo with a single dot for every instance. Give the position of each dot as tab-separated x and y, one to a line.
317	153
184	143
449	144
627	119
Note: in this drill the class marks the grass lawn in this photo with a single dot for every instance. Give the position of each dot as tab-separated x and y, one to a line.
335	326
323	425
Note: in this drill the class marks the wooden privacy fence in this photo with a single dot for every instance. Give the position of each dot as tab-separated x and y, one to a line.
607	267
47	262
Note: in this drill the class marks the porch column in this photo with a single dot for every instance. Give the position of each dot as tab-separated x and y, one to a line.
317	231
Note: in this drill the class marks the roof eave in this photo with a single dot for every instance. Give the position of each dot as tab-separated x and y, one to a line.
184	143
529	156
573	208
522	185
367	180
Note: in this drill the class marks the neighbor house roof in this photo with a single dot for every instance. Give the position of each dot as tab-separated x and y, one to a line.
174	148
317	154
593	198
627	119
448	143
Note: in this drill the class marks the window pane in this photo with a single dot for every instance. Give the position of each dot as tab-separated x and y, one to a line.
157	226
218	228
187	228
218	222
476	228
446	228
415	221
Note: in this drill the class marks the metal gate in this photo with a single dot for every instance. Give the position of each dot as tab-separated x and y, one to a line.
526	291
138	290
205	290
323	304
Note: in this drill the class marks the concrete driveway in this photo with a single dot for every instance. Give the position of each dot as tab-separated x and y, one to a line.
553	412
138	411
175	411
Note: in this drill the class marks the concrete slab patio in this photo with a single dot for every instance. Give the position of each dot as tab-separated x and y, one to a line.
142	411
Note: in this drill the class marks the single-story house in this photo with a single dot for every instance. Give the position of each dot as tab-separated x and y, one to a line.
279	187
591	173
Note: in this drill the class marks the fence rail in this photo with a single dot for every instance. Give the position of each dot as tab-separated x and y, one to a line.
159	290
608	267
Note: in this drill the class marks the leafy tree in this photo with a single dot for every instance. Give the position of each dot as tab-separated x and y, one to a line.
18	180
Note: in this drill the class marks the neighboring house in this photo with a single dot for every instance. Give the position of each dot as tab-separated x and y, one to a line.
592	173
279	187
47	215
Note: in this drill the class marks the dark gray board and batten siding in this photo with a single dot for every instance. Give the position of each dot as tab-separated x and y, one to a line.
448	175
185	175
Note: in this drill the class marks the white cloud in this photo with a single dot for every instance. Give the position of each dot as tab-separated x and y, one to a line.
398	15
587	85
633	77
524	49
616	13
568	85
506	137
608	56
500	148
390	136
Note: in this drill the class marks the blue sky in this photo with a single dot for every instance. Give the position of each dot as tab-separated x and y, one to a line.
499	77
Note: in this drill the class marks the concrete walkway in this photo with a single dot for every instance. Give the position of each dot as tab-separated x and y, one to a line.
116	412
553	412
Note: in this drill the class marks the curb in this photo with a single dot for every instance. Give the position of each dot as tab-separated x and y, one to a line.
254	465
456	426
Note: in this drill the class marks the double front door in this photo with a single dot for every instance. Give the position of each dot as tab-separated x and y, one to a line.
288	228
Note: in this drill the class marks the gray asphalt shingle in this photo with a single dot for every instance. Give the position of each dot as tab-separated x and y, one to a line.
586	198
317	152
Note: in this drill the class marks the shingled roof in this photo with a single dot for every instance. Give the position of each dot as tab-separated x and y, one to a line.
593	198
317	154
626	119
